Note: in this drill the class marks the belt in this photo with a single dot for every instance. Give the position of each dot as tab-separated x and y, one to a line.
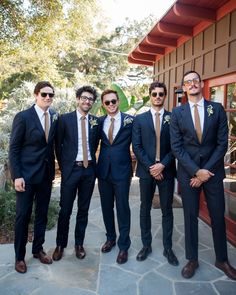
81	163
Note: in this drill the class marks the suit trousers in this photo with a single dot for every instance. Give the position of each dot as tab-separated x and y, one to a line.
214	195
116	191
166	191
81	182
41	193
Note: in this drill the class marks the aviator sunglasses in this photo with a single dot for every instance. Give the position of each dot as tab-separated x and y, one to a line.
44	94
155	94
108	102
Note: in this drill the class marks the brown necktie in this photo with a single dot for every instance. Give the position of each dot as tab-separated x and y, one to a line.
110	131
46	125
84	142
158	135
197	123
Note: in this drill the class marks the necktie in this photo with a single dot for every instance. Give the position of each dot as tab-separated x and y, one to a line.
197	123
158	133
110	131
84	142
46	125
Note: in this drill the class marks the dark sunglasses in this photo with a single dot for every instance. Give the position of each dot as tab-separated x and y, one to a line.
44	94
108	102
155	94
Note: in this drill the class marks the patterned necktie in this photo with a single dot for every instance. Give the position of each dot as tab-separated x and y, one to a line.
158	132
46	125
197	123
110	131
84	142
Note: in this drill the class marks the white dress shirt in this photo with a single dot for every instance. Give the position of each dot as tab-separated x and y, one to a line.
41	116
79	156
117	124
153	112
200	107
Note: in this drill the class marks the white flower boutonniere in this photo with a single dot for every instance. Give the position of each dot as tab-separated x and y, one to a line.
54	117
167	119
93	122
210	110
127	120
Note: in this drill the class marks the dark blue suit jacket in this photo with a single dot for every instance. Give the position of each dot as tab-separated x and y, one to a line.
29	153
116	158
144	145
192	155
67	141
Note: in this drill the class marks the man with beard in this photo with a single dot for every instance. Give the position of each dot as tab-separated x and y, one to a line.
199	138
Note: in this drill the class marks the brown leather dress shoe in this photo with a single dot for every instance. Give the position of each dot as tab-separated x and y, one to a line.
57	254
227	269
20	266
122	257
80	252
43	257
108	246
189	269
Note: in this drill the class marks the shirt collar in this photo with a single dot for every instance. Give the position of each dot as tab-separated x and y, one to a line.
79	115
116	117
39	111
161	112
200	103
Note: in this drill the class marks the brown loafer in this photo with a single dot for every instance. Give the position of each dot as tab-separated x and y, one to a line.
57	254
108	246
43	257
227	269
122	257
80	252
20	266
189	269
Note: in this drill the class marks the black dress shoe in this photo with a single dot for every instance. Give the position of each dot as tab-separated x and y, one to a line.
189	269
143	253
20	266
122	257
57	254
80	252
227	269
108	246
171	258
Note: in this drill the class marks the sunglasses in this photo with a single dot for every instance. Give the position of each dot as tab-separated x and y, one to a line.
45	94
108	102
84	98
155	94
189	82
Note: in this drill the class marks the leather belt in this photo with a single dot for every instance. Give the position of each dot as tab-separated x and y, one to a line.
80	163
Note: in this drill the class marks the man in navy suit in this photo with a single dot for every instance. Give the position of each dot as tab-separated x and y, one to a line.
32	167
156	167
199	138
114	173
76	144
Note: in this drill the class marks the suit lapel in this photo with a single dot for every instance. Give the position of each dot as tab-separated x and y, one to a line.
206	119
188	120
74	128
35	119
121	126
150	121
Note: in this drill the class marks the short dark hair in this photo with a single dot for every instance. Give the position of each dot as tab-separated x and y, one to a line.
191	72
108	91
157	84
86	88
41	85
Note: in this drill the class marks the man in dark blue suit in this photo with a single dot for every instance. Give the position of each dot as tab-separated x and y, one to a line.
199	138
32	167
76	144
156	167
114	173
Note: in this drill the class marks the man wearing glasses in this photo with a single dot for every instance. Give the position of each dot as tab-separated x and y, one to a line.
31	157
114	173
76	144
156	167
199	139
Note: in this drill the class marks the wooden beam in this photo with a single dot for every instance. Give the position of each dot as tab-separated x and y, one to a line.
151	49
142	56
175	29
156	40
195	12
140	62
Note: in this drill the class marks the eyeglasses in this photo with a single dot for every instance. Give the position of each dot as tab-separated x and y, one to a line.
155	94
108	102
84	98
45	94
195	81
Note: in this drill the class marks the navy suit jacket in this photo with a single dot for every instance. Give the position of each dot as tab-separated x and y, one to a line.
115	158
193	155
29	154
67	141
144	145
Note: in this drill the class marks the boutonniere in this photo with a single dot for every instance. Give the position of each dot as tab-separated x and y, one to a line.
93	122
210	110
166	119
127	120
54	117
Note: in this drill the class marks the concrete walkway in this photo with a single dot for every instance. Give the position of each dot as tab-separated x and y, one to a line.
99	273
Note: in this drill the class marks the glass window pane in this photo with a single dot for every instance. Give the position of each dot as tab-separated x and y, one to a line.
230	206
232	123
230	156
217	94
231	96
